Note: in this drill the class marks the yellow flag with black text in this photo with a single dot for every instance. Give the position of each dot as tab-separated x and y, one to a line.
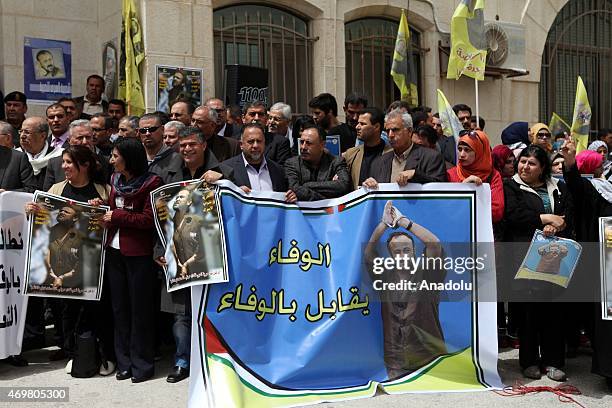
402	69
581	122
468	53
132	54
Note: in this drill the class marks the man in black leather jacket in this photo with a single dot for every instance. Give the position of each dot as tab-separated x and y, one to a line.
316	174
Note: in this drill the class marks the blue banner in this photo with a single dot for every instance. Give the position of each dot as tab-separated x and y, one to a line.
319	306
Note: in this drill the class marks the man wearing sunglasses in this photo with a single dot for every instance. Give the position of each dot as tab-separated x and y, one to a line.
223	128
408	162
151	134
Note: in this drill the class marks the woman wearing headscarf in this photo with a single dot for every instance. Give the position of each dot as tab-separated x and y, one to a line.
601	147
595	200
536	201
516	137
475	165
503	161
541	136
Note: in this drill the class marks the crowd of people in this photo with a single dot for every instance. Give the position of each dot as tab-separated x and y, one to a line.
87	149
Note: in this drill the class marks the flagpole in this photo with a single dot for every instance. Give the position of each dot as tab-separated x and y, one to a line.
477	105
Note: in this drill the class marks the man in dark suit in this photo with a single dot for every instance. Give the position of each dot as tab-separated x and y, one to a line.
277	146
80	134
15	169
33	140
251	169
223	148
408	162
92	102
223	128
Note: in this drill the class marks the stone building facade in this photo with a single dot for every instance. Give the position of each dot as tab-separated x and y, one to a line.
186	33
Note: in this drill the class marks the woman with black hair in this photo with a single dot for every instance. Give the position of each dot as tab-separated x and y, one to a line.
535	200
129	260
81	167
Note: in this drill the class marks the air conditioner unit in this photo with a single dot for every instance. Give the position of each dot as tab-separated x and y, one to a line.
505	46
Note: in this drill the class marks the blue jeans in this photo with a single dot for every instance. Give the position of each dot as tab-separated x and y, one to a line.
182	337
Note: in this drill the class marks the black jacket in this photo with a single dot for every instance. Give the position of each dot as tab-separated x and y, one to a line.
317	184
165	158
174	172
223	147
241	178
277	148
427	164
15	171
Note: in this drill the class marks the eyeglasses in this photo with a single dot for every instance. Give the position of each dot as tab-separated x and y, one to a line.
124	130
56	117
544	135
98	130
145	130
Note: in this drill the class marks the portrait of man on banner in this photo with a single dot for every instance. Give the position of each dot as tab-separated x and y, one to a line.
69	237
187	220
49	63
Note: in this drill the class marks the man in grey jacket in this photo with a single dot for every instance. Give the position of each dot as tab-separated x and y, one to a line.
316	174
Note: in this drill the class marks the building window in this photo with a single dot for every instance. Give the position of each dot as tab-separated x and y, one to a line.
579	43
270	38
369	53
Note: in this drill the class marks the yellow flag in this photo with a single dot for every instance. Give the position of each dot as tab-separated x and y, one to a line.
402	69
451	126
468	42
581	122
132	54
558	126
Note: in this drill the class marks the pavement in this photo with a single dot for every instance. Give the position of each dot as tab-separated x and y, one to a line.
103	392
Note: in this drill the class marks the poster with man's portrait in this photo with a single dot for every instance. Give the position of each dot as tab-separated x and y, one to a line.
65	254
605	243
550	259
173	83
47	66
109	69
187	217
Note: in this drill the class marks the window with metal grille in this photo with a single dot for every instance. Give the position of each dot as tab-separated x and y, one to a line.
266	37
579	43
369	54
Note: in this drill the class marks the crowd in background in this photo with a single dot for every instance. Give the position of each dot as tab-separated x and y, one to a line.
88	149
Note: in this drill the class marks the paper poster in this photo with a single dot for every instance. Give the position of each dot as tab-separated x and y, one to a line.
174	83
66	249
47	66
550	259
188	223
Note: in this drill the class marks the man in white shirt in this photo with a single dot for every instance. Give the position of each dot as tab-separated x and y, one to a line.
92	101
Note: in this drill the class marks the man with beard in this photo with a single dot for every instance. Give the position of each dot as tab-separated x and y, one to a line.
412	333
252	171
354	104
359	159
316	174
324	109
151	132
277	147
63	258
187	244
45	67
